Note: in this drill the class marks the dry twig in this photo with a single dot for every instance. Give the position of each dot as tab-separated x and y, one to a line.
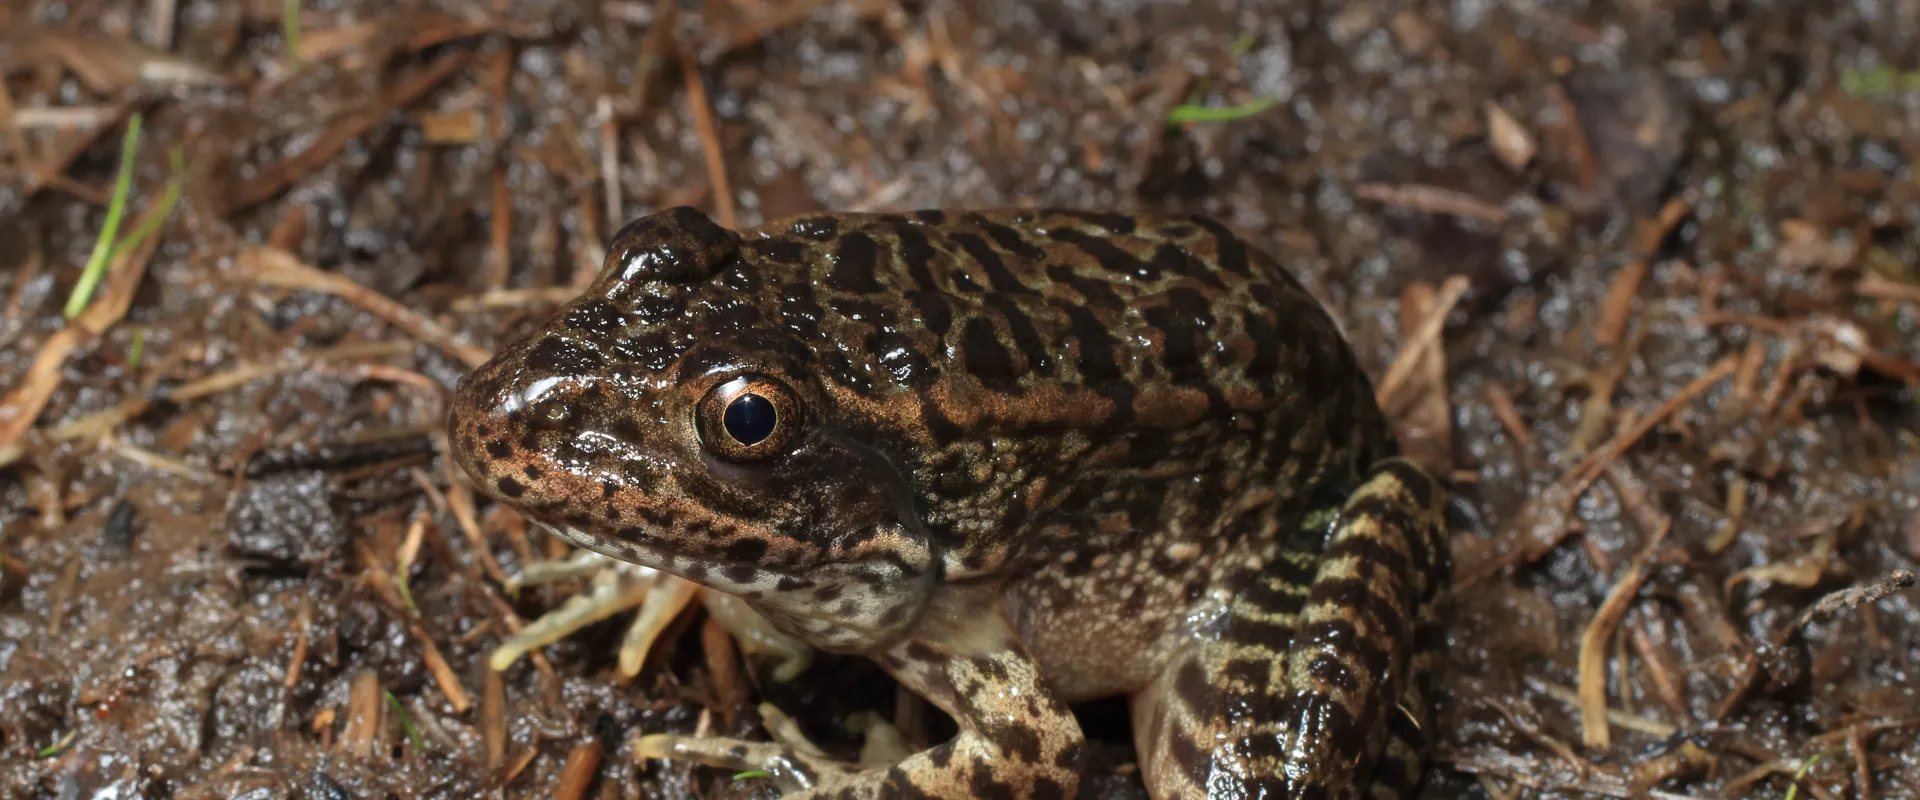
1432	200
1593	656
1619	302
577	773
1590	468
272	266
1425	337
709	140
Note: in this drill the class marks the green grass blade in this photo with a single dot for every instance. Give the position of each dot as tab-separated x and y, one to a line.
176	175
103	247
1191	112
290	27
134	350
406	720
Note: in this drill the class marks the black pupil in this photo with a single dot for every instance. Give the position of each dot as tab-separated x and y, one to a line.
749	419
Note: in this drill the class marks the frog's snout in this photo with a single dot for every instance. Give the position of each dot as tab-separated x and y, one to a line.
499	424
478	430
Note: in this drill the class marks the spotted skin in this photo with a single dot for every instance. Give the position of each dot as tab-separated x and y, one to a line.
1022	459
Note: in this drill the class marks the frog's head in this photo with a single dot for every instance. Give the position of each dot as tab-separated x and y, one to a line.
666	419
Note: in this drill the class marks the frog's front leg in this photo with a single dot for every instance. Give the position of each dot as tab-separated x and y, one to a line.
1017	737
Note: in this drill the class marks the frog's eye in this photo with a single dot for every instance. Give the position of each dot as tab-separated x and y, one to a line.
748	418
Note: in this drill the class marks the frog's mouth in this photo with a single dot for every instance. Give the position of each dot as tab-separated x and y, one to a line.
845	605
744	578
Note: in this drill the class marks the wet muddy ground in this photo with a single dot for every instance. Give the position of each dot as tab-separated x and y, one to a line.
1642	276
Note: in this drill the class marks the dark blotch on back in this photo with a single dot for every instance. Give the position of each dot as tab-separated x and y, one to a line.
783	251
1020	742
843	372
935	314
1180	351
896	353
798	310
1175	259
853	265
1232	251
556	355
1097	293
733	316
1185	321
1097	362
916	252
658	308
1037	352
653	351
1145	448
597	317
1107	254
1266	346
741	277
1008	239
990	262
943	429
986	358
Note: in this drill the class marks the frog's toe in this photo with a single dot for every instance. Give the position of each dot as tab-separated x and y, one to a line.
882	743
792	769
668	596
616	586
608	592
792	761
613	587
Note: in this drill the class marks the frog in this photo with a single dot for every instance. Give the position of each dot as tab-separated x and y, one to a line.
1023	459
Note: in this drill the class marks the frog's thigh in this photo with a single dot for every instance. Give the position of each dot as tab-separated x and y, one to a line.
1017	738
1316	681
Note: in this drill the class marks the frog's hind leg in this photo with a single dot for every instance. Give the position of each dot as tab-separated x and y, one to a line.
1317	680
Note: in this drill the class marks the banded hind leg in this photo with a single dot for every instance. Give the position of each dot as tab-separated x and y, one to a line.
1317	682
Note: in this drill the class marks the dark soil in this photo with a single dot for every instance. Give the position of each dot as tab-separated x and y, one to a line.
1680	372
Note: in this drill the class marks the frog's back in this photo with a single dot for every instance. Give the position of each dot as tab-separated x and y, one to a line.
1004	321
